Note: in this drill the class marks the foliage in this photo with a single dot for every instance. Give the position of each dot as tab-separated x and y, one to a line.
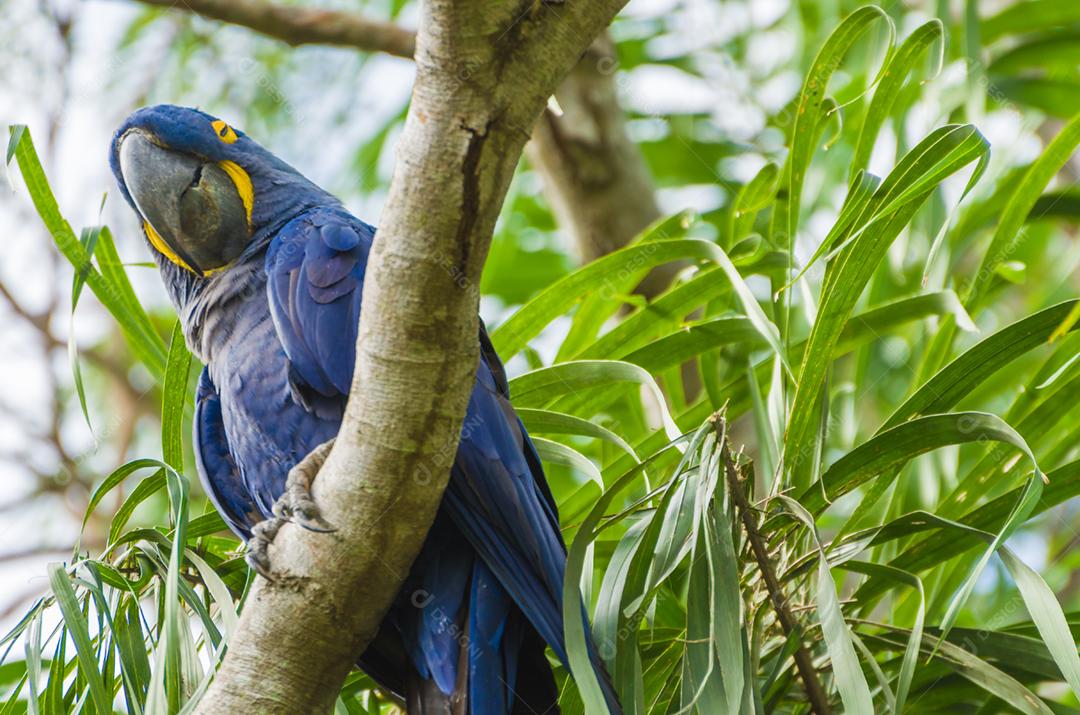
903	385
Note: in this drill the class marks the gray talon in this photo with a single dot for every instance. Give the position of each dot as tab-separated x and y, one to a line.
308	516
295	505
258	555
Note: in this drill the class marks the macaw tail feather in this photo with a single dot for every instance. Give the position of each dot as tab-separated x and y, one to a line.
481	658
534	691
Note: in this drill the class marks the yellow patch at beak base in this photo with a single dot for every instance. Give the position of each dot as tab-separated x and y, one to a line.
163	248
243	185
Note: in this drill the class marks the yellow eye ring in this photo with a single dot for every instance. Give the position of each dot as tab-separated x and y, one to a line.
224	131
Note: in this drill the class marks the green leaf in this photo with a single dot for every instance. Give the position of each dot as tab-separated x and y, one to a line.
113	270
850	681
929	552
513	335
1029	16
33	660
752	198
943	152
77	628
860	192
15	135
902	63
1066	325
1028	500
540	387
1056	97
171	684
89	240
131	646
1038	598
558	453
665	312
114	480
713	661
1048	618
573	623
915	640
53	698
1059	51
1010	230
139	334
549	422
979	362
218	590
898	445
693	340
981	673
174	399
808	109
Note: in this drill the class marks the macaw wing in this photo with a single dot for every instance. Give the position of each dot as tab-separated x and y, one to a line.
494	364
499	498
315	275
220	478
497	495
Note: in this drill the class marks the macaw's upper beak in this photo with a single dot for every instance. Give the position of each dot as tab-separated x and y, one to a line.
193	205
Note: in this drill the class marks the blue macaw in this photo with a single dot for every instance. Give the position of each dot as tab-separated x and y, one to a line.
265	270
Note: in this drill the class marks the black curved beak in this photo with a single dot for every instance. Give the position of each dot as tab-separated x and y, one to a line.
191	204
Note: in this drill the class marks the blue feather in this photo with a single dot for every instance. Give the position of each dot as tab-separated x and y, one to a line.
277	330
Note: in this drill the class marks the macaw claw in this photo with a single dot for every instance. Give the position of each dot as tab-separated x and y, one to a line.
295	505
258	546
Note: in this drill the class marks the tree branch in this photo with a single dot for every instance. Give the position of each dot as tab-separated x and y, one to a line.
594	175
302	26
815	693
485	71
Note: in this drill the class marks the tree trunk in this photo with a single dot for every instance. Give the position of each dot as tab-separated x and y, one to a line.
594	176
485	71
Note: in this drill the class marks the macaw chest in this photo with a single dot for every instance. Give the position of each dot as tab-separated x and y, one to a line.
267	431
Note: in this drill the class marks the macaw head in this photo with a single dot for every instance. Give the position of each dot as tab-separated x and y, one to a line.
208	196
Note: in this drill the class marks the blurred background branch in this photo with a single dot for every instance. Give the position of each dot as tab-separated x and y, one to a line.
594	175
301	25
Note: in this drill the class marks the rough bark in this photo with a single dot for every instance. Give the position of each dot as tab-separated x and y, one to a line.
594	175
485	71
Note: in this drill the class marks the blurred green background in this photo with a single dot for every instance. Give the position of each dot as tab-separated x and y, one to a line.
715	98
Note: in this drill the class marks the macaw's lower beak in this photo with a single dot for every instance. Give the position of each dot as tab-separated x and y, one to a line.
191	205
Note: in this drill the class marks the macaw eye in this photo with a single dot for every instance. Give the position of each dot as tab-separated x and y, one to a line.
224	131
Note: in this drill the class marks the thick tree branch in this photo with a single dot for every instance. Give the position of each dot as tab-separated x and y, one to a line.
485	71
302	25
594	176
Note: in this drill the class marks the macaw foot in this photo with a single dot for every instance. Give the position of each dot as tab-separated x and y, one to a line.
258	545
295	505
